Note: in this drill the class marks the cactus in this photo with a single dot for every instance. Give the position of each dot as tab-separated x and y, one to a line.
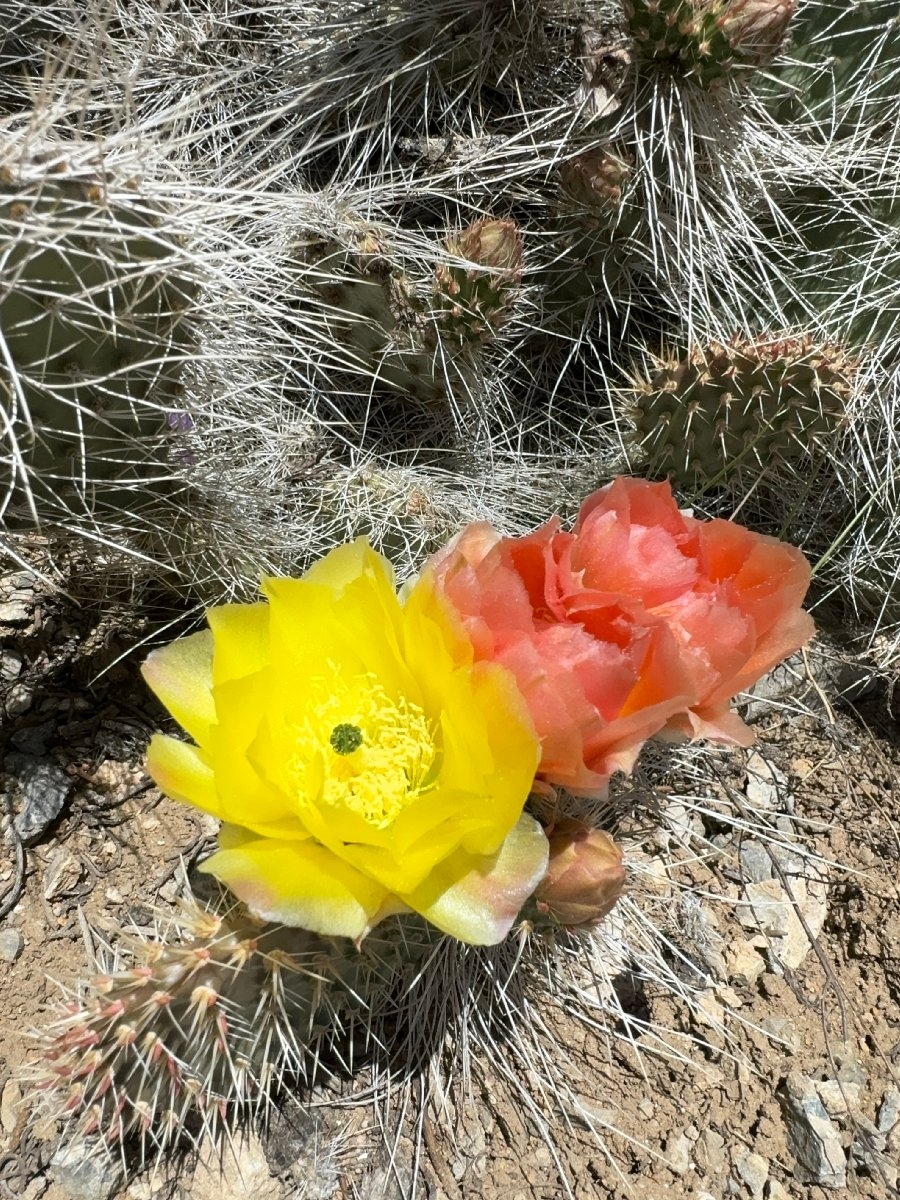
842	67
382	325
756	405
473	304
205	1022
90	311
707	40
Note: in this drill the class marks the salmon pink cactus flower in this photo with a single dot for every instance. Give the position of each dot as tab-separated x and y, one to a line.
361	762
643	620
599	673
731	597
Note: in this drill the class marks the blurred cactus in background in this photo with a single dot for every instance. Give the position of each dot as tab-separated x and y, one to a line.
91	312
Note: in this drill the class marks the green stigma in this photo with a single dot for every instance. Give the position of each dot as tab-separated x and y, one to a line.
346	738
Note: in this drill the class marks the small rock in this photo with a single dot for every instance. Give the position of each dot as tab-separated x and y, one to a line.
706	1010
752	1169
19	581
647	1108
677	1154
728	996
14	612
775	1191
683	822
783	1030
744	962
85	1175
112	776
868	1151
34	739
839	1098
62	873
763	782
239	1174
11	945
772	910
10	1106
850	1069
812	1138
889	1110
44	786
19	699
780	682
854	680
709	1152
756	865
11	662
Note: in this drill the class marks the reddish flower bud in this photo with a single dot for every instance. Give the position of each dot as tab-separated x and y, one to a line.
585	876
595	179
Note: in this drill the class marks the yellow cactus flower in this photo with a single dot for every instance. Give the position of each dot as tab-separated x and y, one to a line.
361	763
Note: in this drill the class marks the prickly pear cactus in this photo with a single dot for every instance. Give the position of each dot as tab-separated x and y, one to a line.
197	1025
744	405
842	66
384	326
90	312
707	40
474	301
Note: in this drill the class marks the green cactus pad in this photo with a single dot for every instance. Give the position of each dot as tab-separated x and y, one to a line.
207	1020
90	313
744	405
372	319
706	40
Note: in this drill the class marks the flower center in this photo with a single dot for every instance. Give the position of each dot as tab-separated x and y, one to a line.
346	738
377	753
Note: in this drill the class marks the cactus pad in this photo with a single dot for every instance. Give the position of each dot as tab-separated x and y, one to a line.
194	1028
746	404
706	40
473	303
90	313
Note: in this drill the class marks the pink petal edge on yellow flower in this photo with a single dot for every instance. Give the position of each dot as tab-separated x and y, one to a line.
299	883
478	905
472	898
181	676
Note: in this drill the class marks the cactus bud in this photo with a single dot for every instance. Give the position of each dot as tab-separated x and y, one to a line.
756	28
473	303
491	243
585	876
595	179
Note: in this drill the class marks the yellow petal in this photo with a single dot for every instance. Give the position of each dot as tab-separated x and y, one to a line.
241	636
347	601
181	675
477	899
300	883
514	747
178	768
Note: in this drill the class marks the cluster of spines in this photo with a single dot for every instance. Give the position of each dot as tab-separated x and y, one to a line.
202	1026
706	40
748	404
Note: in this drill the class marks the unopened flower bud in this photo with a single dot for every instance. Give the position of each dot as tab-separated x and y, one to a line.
585	876
595	178
756	28
491	243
